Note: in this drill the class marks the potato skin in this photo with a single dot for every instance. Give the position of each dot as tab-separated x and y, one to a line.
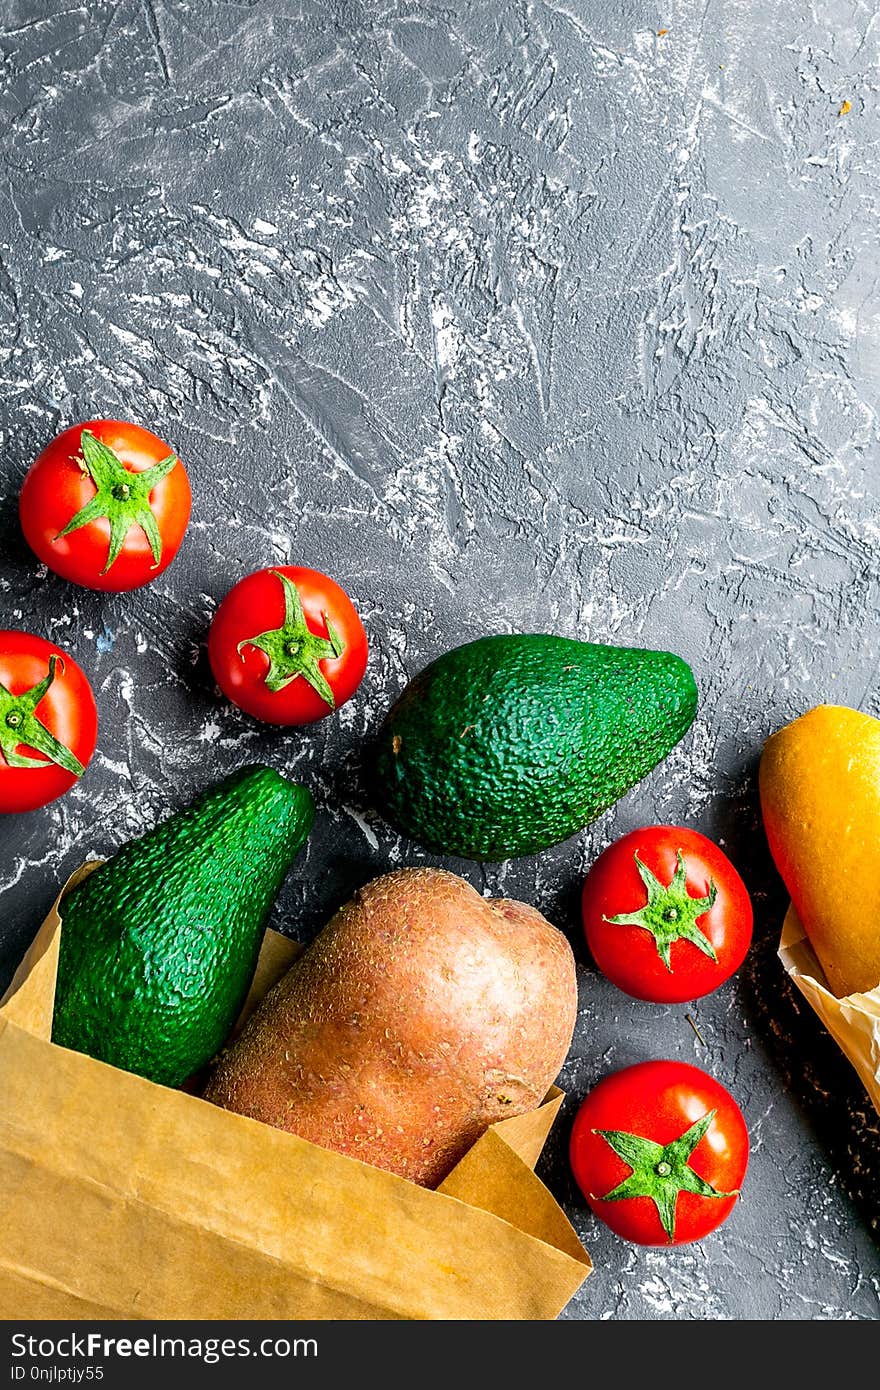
420	1015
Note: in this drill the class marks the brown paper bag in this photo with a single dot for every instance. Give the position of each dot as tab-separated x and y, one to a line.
853	1022
124	1199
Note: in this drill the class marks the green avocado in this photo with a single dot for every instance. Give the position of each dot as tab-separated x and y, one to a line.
512	743
159	945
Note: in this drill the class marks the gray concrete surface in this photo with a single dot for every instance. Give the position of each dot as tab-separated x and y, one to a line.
511	316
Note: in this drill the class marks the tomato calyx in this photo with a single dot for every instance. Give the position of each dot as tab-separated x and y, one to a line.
294	650
670	914
20	725
122	496
660	1171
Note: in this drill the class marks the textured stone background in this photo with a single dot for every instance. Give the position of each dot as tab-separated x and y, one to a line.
512	316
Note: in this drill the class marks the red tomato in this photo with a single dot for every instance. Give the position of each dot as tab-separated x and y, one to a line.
106	505
48	722
287	646
667	916
660	1151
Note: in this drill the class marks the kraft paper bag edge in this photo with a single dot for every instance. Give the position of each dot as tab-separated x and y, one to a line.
29	1001
853	1021
496	1179
528	1133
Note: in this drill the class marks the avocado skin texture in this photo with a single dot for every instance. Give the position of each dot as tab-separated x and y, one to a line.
510	744
159	945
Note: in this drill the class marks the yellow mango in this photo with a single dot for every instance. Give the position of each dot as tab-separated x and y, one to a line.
820	796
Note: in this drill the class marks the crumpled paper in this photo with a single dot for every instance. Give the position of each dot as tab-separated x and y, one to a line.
124	1199
853	1022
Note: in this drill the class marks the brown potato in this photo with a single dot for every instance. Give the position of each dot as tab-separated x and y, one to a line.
419	1016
